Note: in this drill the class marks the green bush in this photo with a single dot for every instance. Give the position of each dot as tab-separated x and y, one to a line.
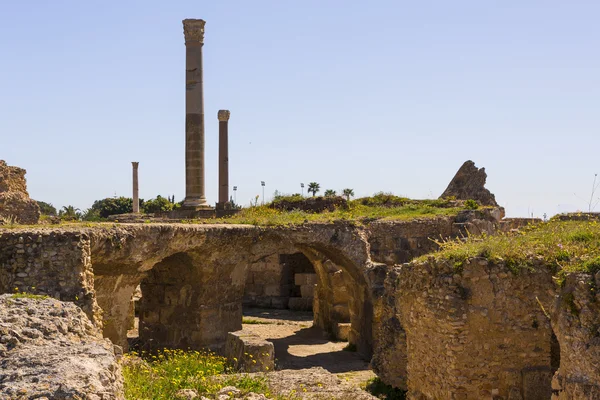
471	204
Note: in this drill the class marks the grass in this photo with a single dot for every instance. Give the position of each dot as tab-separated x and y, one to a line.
377	388
251	321
358	210
161	375
381	206
24	295
564	246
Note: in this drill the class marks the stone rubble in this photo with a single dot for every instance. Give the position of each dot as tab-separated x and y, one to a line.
50	349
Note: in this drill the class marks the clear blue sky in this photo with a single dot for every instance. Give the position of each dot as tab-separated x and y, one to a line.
382	95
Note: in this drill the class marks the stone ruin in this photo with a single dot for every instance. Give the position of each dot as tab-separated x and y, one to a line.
477	332
469	184
15	203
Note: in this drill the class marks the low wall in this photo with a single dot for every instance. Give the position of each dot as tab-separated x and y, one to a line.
49	262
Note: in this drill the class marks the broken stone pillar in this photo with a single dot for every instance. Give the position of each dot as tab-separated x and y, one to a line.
193	30
223	156
136	189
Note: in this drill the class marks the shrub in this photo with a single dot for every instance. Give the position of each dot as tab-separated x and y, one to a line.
471	204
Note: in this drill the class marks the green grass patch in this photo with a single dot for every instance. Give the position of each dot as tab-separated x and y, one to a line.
251	321
565	246
24	295
162	374
377	388
356	211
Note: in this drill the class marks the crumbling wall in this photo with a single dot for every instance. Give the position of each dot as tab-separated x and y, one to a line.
49	262
472	332
397	242
51	350
576	322
14	199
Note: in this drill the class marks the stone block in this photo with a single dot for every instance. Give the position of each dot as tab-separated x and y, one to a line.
307	291
279	302
341	330
249	353
304	279
273	290
340	312
300	304
537	383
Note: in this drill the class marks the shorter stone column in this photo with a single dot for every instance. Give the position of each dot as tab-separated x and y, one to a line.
136	191
223	116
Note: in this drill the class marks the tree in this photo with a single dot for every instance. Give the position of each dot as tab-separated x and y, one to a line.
114	205
47	208
70	213
159	204
313	188
330	193
348	193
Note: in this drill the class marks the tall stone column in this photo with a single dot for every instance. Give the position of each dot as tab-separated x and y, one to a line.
193	30
136	188
223	156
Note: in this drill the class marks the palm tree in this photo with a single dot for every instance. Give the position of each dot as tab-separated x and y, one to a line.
348	193
70	213
330	193
313	187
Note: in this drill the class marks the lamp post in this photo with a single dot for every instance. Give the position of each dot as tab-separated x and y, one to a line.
262	183
302	187
234	194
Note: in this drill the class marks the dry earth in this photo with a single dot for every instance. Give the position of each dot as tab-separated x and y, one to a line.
307	360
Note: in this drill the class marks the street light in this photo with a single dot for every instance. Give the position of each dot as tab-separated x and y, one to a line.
234	194
262	183
302	186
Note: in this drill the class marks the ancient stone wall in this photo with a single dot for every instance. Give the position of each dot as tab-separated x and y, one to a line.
576	322
471	332
14	199
397	242
49	262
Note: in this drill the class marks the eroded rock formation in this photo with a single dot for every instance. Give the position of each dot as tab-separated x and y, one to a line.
469	184
14	199
50	349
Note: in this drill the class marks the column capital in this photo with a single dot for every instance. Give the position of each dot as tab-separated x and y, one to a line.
135	164
223	115
193	30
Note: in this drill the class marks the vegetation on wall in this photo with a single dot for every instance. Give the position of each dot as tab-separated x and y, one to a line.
565	246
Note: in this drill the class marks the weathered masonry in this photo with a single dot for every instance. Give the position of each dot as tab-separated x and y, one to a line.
481	332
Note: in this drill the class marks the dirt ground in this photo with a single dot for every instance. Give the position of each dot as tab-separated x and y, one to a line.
299	346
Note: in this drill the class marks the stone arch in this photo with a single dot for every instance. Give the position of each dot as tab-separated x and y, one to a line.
214	259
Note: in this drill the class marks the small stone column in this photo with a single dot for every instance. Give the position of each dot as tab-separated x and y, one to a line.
223	116
136	189
193	30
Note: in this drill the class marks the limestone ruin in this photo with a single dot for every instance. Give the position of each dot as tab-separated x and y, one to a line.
438	328
469	184
15	203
